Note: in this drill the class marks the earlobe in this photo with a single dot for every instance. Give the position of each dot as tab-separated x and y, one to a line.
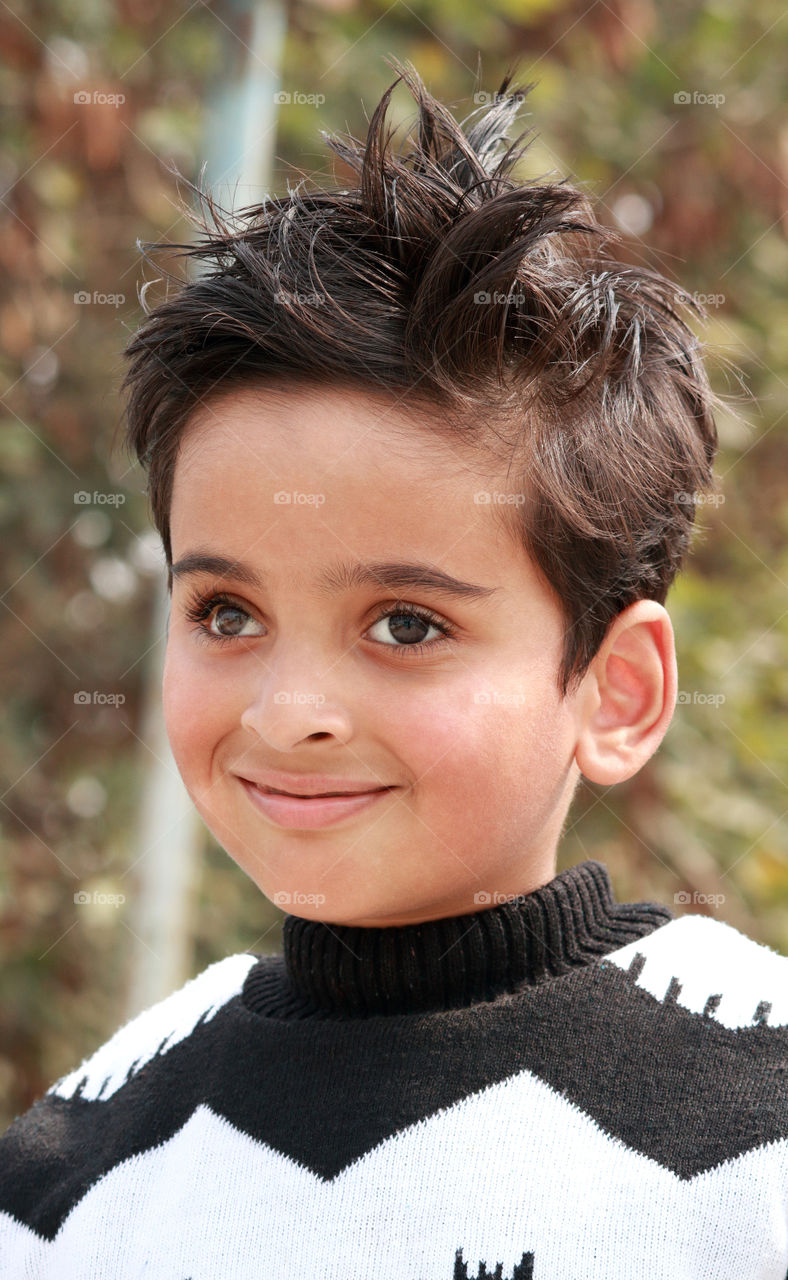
625	710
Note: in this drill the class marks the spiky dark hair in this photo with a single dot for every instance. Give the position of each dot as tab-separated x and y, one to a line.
491	304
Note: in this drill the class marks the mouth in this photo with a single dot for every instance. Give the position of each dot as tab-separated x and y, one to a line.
290	809
317	795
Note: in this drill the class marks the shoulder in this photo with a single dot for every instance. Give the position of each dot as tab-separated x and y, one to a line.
156	1030
710	967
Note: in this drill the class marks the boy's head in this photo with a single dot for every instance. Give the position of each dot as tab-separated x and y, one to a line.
442	368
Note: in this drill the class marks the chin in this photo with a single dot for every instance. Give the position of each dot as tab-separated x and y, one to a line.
320	906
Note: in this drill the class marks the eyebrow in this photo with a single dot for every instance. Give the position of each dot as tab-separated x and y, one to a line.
348	576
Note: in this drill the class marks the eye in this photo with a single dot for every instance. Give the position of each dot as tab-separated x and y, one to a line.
231	619
407	623
218	618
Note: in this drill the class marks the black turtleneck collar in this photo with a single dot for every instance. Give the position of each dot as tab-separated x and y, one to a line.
332	970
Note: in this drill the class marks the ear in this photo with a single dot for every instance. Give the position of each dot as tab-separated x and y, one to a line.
628	695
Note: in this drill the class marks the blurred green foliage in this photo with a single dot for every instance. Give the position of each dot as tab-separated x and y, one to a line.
697	189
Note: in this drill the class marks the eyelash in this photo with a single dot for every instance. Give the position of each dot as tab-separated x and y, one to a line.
199	608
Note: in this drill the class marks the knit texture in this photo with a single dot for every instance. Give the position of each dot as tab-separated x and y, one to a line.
463	959
557	1087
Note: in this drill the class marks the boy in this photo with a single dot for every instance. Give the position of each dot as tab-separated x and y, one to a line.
435	455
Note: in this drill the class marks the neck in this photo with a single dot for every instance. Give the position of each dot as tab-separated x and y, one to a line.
359	971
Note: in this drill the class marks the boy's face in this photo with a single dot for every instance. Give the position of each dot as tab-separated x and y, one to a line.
470	733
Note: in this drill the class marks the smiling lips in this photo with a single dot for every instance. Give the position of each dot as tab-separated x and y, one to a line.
310	787
306	810
317	795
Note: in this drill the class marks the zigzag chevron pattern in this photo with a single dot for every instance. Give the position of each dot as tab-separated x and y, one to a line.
628	1120
155	1031
710	968
586	1206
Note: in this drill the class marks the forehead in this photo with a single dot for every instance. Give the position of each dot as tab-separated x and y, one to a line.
322	426
332	471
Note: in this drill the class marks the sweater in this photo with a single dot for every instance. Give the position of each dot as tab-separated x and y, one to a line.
556	1087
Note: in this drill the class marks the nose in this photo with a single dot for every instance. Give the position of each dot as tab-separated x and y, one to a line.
288	705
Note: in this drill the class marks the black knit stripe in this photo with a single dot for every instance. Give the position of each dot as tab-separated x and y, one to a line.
454	962
325	1097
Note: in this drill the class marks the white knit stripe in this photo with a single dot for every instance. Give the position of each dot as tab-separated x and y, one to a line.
512	1169
707	957
171	1020
710	958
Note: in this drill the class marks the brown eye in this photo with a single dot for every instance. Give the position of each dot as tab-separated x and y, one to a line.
231	620
405	628
216	617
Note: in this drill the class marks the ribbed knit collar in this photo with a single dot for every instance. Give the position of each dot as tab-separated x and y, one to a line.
357	971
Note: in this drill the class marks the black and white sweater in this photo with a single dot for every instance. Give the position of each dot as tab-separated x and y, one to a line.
560	1087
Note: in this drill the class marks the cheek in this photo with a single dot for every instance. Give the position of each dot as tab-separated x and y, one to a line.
425	733
477	756
449	739
195	711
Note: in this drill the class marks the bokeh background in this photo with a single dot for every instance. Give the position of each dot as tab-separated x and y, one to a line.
672	115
